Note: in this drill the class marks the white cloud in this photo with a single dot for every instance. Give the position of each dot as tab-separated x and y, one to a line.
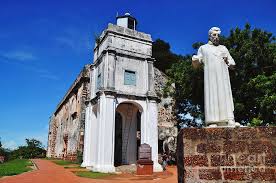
25	60
10	144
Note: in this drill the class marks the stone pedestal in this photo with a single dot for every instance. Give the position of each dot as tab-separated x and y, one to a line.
221	155
144	164
144	167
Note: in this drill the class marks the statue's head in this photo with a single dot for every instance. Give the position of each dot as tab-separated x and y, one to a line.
214	34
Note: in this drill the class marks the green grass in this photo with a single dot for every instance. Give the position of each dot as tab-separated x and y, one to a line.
15	167
63	162
92	175
78	167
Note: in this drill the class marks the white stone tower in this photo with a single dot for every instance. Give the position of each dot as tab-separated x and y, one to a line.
122	111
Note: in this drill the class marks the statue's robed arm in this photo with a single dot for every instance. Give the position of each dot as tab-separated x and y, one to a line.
197	60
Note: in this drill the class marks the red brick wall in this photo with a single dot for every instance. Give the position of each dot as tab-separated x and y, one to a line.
227	155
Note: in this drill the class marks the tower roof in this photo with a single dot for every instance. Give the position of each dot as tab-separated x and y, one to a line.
127	15
127	21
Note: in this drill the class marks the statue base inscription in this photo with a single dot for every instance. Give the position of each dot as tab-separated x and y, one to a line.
220	155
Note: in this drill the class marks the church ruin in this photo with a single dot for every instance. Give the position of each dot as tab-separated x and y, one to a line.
115	104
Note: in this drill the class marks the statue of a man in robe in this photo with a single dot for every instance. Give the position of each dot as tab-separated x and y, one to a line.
218	101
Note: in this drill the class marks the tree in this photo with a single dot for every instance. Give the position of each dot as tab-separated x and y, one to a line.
4	152
33	149
253	80
263	103
33	143
163	55
1	149
255	54
188	92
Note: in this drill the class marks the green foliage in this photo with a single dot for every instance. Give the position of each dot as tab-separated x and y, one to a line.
253	80
197	45
188	91
163	55
256	122
15	167
79	157
92	175
33	149
264	101
4	152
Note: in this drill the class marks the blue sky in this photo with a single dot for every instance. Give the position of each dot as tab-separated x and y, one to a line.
44	45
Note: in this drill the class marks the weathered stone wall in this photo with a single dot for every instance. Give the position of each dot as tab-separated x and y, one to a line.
131	64
239	155
126	40
120	49
66	126
167	124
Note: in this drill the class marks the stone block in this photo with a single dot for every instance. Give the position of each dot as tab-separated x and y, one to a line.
189	147
196	160
194	133
270	160
210	174
260	147
234	146
218	133
245	133
208	148
264	174
222	160
265	132
236	174
249	159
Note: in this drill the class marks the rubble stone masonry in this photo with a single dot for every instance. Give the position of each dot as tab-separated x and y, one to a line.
167	123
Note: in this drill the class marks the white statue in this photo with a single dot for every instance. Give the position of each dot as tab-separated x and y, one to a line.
218	100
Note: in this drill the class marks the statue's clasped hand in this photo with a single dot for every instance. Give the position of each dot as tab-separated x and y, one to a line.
228	64
225	60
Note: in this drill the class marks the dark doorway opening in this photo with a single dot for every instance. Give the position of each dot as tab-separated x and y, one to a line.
138	133
65	145
118	140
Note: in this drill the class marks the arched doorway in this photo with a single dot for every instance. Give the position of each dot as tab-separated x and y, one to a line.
127	133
